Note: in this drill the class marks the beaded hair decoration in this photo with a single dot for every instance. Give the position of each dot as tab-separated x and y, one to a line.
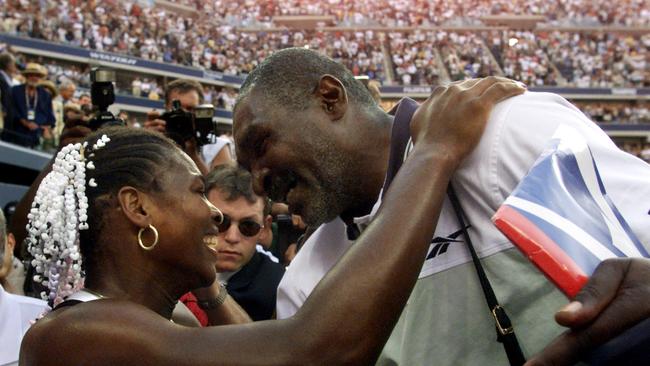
58	212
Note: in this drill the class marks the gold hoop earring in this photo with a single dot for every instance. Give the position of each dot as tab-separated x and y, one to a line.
155	240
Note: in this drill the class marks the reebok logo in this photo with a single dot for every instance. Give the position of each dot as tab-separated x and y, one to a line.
442	243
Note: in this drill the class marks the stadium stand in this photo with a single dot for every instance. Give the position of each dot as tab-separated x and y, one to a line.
594	53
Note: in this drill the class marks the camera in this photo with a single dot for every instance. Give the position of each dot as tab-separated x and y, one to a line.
102	94
182	125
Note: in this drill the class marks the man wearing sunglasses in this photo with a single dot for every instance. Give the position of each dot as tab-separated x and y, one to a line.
250	275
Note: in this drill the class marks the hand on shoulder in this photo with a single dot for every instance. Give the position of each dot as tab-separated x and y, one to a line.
453	118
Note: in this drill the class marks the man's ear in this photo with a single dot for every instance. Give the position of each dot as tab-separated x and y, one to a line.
11	242
136	206
267	233
332	96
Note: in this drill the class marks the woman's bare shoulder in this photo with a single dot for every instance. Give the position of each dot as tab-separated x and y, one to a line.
97	332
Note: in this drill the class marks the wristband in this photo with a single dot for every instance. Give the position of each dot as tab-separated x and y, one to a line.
216	302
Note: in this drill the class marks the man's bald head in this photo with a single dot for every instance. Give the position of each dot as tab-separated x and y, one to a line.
289	78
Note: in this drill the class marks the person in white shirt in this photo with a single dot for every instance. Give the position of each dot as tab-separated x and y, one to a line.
7	70
16	312
314	139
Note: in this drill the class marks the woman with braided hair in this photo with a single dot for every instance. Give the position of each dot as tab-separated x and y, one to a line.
133	205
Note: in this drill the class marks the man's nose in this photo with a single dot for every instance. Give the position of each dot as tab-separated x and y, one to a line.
232	235
260	177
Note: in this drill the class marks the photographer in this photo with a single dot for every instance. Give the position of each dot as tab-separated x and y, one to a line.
80	121
190	95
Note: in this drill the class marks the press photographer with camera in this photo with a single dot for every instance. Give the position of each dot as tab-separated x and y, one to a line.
183	98
77	126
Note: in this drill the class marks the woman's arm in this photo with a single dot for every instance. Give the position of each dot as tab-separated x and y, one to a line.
350	314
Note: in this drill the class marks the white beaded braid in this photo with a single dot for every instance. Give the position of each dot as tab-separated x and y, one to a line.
58	212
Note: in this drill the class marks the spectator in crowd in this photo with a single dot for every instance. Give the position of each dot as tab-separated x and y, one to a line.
6	254
50	144
7	70
85	100
66	95
136	87
73	115
249	273
325	149
14	276
226	98
66	92
34	117
49	87
133	287
16	312
129	120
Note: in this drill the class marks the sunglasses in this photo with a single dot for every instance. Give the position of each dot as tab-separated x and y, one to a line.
247	227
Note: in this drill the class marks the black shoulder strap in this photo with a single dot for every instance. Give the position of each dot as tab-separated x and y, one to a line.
399	141
504	328
67	303
399	138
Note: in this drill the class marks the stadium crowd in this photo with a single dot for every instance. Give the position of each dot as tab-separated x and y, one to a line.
616	112
417	67
212	38
416	55
521	58
599	59
407	13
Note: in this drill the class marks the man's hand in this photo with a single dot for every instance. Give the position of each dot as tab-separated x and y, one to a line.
32	126
227	313
47	132
190	147
208	293
453	118
154	122
616	297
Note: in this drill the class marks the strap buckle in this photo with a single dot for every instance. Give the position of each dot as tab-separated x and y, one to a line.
502	317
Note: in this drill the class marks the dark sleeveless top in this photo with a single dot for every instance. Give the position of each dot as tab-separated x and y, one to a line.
67	303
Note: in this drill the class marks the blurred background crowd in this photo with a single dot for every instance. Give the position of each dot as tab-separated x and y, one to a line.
593	44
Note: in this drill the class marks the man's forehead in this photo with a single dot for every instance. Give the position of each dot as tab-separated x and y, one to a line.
242	117
256	108
240	206
253	118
